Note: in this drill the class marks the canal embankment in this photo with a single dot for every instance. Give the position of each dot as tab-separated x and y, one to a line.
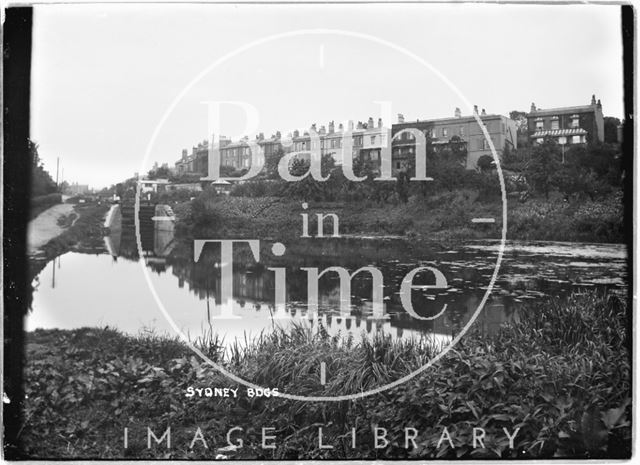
65	227
46	226
442	217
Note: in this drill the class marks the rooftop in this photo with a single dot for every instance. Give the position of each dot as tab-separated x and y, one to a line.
561	110
451	119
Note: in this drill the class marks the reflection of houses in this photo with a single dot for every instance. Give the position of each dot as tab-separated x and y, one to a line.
567	125
156	223
464	129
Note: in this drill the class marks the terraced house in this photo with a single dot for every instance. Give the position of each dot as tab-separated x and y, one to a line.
459	129
567	125
367	140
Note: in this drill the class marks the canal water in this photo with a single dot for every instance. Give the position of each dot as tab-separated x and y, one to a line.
110	289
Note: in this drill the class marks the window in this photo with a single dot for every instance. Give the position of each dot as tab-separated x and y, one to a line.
445	132
357	140
433	134
555	123
575	121
539	140
576	139
397	165
373	140
462	130
539	124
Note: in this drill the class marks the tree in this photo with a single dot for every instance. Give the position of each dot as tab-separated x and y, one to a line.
308	188
402	186
541	172
161	172
41	181
485	163
271	164
611	129
590	169
448	164
522	127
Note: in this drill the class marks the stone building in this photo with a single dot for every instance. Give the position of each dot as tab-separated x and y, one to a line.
567	125
459	129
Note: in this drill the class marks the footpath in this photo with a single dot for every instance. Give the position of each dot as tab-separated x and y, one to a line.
45	226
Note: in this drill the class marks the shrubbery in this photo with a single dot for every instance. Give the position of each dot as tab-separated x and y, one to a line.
561	374
43	202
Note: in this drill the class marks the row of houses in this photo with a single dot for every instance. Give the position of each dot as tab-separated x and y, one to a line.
567	125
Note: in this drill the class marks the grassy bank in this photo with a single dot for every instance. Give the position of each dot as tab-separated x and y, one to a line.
43	202
84	228
562	376
444	216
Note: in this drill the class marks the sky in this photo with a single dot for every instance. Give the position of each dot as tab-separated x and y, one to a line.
111	82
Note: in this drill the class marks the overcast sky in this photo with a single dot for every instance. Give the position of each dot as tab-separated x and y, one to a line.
104	75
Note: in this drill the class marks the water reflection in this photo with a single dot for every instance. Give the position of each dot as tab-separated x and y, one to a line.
110	288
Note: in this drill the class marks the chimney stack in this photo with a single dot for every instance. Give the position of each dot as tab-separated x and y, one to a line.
296	133
475	109
331	127
313	126
360	126
593	99
458	113
370	123
323	130
340	127
278	135
379	122
184	154
400	118
484	113
599	104
533	106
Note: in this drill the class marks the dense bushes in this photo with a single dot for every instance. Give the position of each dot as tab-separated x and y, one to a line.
588	221
41	181
43	202
442	215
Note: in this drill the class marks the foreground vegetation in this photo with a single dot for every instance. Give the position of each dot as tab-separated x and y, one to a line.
562	375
